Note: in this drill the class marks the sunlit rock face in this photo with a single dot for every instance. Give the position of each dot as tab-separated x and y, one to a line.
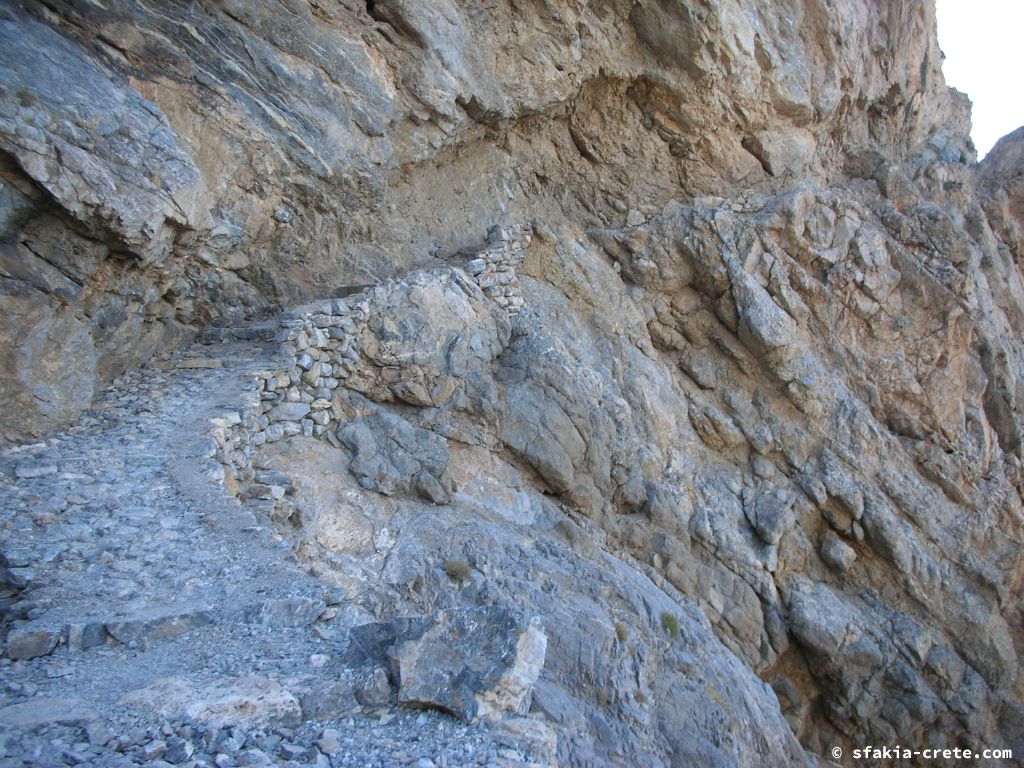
217	161
637	309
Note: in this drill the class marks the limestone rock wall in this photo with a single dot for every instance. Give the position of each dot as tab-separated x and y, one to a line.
383	502
764	346
216	161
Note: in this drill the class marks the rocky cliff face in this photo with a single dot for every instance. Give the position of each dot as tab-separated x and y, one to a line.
214	161
748	356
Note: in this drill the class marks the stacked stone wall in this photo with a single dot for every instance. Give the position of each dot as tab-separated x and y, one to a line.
320	344
495	267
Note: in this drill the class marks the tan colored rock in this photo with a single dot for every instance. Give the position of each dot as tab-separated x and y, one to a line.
248	702
199	197
764	369
527	733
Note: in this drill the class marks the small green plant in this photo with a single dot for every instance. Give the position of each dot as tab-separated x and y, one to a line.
457	570
670	624
621	632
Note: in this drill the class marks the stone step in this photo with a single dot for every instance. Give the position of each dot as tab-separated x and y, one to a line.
263	330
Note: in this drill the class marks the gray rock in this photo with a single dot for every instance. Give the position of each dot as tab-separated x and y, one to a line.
285	612
97	733
144	630
43	711
254	757
390	456
329	743
325	699
771	514
290	751
819	619
376	691
154	750
442	343
289	412
540	429
369	643
473	663
11	582
81	637
270	477
47	340
178	750
836	553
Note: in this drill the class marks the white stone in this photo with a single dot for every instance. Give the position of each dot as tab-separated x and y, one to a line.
248	702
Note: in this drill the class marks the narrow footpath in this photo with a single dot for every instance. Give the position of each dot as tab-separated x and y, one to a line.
154	620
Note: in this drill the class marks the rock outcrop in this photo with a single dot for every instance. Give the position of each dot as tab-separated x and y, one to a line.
686	337
217	161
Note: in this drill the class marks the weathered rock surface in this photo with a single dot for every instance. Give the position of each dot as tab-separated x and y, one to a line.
285	612
42	711
29	642
729	399
248	702
122	525
390	454
471	663
215	161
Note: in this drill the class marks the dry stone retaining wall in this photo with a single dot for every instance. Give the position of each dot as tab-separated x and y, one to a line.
321	346
320	343
494	268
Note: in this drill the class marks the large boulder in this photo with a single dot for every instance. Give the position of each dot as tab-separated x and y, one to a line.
47	366
472	663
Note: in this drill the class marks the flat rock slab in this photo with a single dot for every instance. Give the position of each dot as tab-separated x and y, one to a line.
248	702
30	642
197	363
159	628
30	714
284	612
289	412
